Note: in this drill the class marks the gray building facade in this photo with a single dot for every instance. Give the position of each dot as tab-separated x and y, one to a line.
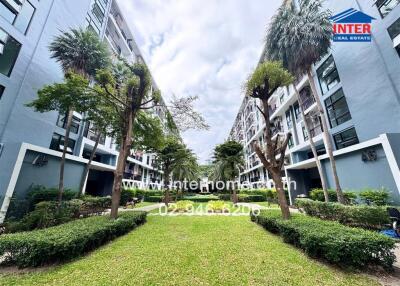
359	86
30	141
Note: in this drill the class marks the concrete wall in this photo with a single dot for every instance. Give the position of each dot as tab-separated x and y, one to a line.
47	175
356	175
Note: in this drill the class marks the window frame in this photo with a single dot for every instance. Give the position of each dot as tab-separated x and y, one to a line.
343	143
17	14
330	105
379	6
2	89
17	54
320	76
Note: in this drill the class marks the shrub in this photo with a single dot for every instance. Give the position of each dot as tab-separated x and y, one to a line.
154	199
19	207
181	206
45	214
375	197
217	206
66	241
318	195
92	205
332	241
126	196
250	198
368	217
201	198
224	197
42	194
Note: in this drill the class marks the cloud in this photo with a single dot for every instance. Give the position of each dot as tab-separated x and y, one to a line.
205	48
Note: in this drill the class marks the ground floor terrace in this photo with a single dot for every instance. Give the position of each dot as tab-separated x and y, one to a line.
192	250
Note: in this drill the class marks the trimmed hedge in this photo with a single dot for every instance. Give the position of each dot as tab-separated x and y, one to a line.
67	241
201	198
318	195
251	198
338	244
368	217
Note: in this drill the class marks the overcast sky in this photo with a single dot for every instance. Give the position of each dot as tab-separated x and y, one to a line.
205	48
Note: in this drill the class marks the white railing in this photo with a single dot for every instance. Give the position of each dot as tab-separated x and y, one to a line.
134	184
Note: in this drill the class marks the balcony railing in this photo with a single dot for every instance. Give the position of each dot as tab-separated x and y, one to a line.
306	98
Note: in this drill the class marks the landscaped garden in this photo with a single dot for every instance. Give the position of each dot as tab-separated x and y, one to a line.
195	250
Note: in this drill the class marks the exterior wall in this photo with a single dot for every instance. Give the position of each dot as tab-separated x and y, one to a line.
33	175
33	69
370	79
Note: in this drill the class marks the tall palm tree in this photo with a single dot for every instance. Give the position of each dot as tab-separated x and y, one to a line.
228	159
78	51
188	169
299	37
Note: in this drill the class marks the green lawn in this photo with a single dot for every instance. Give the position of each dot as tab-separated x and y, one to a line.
195	250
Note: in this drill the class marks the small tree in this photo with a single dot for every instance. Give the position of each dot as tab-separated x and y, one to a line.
262	84
127	89
72	94
80	52
228	159
171	157
299	37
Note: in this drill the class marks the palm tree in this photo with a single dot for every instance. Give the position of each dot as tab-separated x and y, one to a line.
299	37
78	51
228	159
188	169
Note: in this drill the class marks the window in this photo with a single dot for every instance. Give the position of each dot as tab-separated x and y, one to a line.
306	97
305	134
338	111
1	90
297	111
314	123
394	33
328	75
386	6
290	142
90	24
282	98
9	50
18	13
289	119
98	11
346	138
57	143
62	122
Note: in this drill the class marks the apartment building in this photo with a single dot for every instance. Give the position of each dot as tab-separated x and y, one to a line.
30	142
359	86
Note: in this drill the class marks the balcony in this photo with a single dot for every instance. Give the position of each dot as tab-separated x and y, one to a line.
306	98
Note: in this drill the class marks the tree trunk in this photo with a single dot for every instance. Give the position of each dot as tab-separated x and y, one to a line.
88	165
64	153
234	196
327	139
276	177
313	148
166	187
126	143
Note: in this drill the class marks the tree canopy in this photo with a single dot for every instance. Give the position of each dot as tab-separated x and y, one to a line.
299	36
266	79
